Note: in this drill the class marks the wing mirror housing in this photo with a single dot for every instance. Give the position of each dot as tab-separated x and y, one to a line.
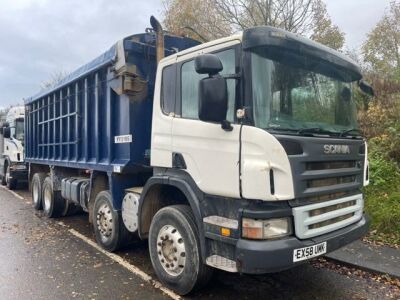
366	88
213	90
208	64
6	132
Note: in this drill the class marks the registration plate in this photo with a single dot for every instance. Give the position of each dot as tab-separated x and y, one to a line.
309	252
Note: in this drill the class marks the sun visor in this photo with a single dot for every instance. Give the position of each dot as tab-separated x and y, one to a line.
289	48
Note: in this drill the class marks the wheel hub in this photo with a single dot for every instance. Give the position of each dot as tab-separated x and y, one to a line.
171	250
104	221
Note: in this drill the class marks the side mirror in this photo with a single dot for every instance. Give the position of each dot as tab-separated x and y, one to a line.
213	90
6	132
366	87
208	64
213	99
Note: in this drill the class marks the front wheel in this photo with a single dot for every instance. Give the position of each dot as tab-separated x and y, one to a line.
109	230
3	180
175	250
11	182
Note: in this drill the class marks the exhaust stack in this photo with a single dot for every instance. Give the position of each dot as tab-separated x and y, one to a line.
159	38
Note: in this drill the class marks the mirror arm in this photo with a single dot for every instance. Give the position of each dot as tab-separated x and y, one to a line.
226	125
236	76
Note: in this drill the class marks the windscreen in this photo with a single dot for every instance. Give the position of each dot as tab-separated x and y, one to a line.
293	92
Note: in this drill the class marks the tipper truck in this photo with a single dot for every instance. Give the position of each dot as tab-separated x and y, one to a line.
12	165
240	154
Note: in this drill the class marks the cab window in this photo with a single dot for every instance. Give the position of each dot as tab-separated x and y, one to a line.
190	85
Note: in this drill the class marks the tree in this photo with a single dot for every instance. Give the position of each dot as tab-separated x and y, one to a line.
197	19
381	50
292	15
216	18
324	31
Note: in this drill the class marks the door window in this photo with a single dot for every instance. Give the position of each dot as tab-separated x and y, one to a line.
190	85
168	90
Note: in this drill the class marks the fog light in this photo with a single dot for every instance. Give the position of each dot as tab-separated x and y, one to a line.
265	229
19	167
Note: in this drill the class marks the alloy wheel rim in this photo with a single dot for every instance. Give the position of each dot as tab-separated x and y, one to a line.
171	250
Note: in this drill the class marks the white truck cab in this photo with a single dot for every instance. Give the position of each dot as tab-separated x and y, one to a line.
12	166
262	128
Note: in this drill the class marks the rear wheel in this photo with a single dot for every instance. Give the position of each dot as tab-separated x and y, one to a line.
175	250
70	209
109	229
36	189
53	204
11	182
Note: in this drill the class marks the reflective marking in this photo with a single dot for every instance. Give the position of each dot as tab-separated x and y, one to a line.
13	193
135	270
117	169
122	139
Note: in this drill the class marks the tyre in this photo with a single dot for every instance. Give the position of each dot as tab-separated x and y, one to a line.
109	229
36	190
53	204
70	209
11	183
175	250
3	178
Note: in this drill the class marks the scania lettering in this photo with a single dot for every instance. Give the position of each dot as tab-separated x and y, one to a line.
215	153
335	149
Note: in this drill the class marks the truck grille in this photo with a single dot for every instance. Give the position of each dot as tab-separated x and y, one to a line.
320	182
327	186
327	165
320	218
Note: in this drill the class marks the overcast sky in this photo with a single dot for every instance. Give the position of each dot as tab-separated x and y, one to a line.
41	37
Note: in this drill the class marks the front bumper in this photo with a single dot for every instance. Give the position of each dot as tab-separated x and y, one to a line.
19	174
258	257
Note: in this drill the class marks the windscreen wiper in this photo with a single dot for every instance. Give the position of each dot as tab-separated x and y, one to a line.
280	129
317	130
346	132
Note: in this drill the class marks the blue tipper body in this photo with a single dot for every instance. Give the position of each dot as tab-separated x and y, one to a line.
99	117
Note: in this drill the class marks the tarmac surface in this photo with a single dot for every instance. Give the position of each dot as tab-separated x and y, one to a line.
382	259
45	258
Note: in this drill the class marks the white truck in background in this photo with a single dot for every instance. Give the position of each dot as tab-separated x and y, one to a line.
12	166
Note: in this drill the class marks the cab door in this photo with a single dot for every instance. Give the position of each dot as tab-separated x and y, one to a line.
210	155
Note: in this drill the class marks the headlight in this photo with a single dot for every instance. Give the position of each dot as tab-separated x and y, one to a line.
265	229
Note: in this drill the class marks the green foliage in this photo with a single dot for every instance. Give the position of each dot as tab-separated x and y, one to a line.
382	196
383	170
325	32
381	50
